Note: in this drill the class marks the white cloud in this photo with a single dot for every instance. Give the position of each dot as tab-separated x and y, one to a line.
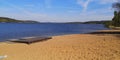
96	14
84	3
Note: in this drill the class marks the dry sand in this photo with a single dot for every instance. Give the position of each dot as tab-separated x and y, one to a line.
67	47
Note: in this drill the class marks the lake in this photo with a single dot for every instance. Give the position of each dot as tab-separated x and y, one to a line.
19	30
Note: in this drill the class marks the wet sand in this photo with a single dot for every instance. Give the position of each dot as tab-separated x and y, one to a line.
66	47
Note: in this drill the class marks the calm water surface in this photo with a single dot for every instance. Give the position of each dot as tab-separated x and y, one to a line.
19	30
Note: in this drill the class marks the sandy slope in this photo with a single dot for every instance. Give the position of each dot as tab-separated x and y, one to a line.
68	47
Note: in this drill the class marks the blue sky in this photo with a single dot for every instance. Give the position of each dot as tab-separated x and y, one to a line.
57	10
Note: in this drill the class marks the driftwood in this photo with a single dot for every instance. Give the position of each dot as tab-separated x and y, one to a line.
30	40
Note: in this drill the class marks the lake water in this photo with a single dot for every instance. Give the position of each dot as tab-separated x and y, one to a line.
19	30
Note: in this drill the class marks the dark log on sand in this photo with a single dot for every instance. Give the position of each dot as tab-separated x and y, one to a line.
30	40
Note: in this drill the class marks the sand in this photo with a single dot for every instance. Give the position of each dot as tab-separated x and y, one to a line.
66	47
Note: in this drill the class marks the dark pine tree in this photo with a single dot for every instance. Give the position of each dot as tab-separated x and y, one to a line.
116	18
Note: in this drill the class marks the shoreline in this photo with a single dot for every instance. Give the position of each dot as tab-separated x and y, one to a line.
106	32
94	32
66	47
49	35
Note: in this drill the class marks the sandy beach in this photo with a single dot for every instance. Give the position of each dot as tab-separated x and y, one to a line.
66	47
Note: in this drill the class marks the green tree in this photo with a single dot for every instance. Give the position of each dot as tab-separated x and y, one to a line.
116	18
